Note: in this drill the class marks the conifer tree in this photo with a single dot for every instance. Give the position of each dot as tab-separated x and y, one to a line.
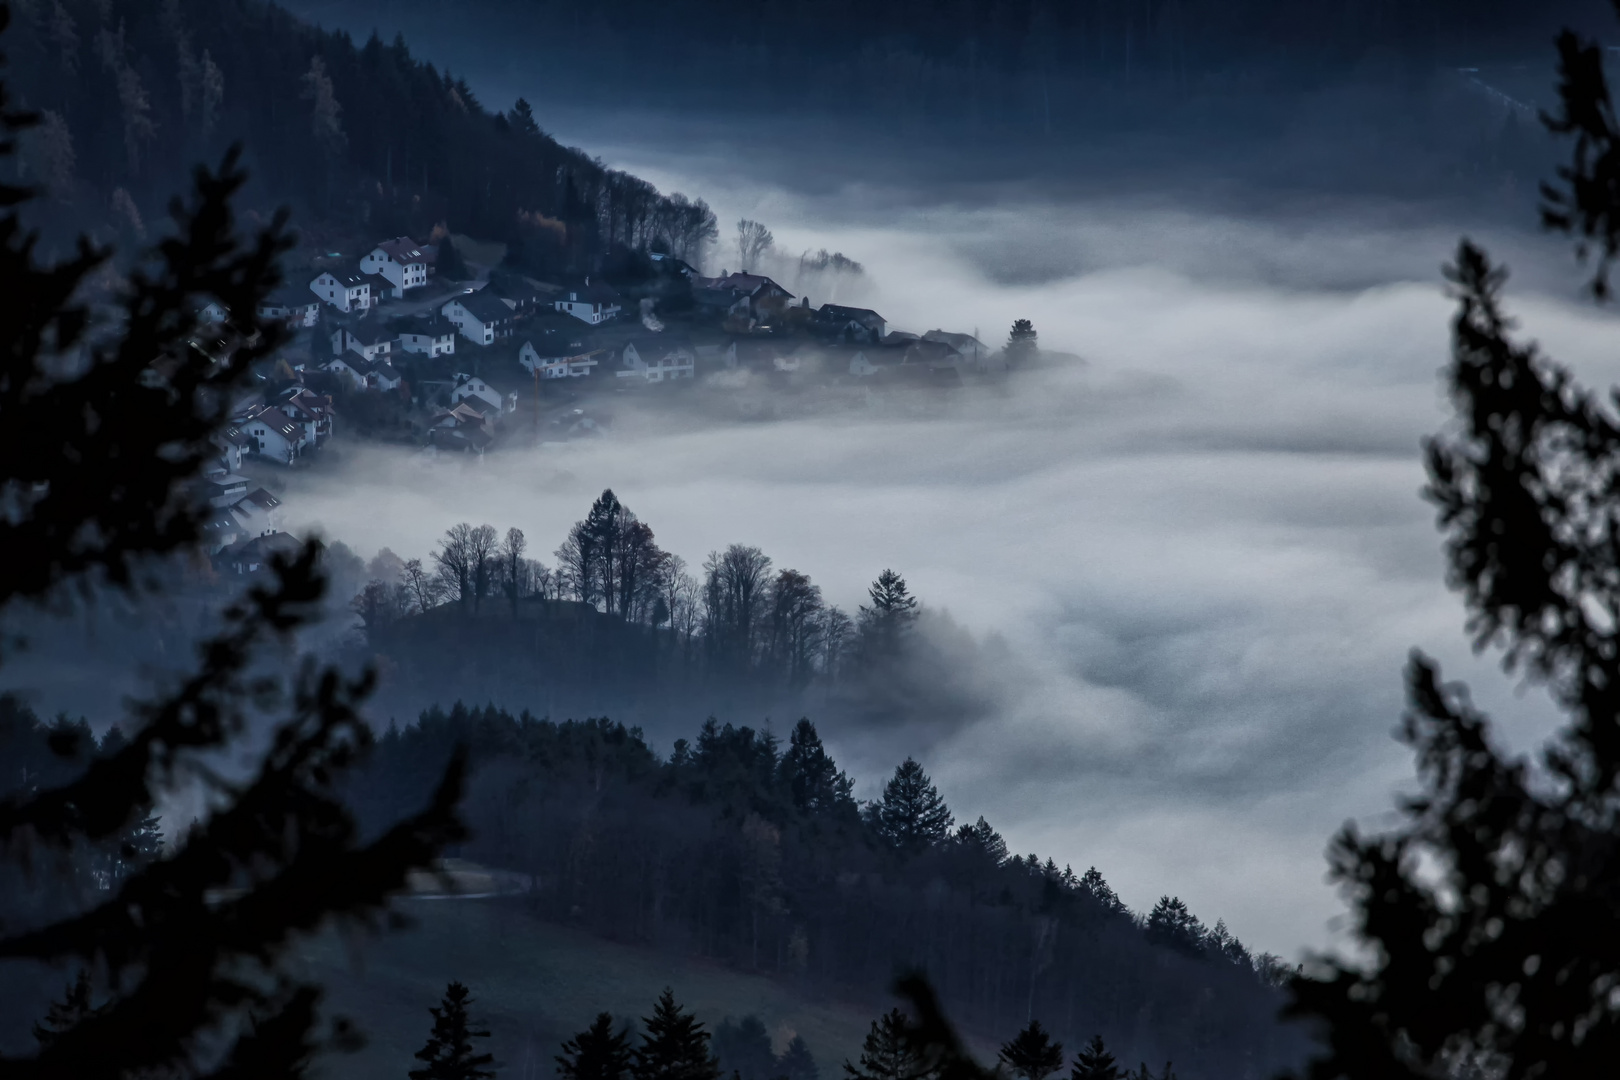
1170	923
597	1053
1480	916
448	1053
885	621
1094	1062
911	816
819	787
186	952
888	1054
674	1045
796	1062
1021	343
1032	1054
66	1014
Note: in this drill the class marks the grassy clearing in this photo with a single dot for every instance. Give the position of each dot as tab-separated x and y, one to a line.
538	983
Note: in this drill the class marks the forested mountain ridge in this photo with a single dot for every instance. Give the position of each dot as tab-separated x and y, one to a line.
359	140
981	63
738	848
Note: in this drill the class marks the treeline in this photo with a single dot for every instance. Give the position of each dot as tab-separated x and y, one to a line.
675	1045
363	141
984	64
613	619
754	852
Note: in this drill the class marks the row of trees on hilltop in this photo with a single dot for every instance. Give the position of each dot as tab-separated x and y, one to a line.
751	850
743	614
365	141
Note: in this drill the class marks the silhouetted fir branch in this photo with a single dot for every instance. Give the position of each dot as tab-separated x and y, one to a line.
95	457
1486	912
1586	203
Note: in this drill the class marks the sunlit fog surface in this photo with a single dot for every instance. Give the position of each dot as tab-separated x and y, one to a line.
1203	541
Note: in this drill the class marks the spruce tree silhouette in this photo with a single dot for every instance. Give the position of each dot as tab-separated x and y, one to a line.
1032	1054
1094	1062
911	816
185	953
1482	913
448	1054
887	1053
597	1053
674	1046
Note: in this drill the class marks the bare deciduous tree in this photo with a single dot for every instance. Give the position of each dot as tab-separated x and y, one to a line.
753	240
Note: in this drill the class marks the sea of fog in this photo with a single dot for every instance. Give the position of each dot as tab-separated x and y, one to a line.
1203	542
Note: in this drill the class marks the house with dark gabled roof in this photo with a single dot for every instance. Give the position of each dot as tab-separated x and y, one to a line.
432	335
481	317
593	304
276	436
401	262
254	554
293	306
765	299
848	324
344	290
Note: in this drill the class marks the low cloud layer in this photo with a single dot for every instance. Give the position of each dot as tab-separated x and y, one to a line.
1204	544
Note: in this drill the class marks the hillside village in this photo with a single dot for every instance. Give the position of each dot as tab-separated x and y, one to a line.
459	361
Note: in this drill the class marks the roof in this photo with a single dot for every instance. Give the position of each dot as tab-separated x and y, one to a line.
434	325
232	434
588	292
430	253
349	279
377	282
960	342
259	549
370	332
751	284
275	420
402	249
484	306
227	480
259	498
290	296
839	313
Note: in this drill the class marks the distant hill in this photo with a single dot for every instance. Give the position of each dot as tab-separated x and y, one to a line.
362	141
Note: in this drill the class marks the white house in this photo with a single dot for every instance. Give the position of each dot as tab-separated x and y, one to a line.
230	441
430	337
657	361
557	367
312	410
594	304
294	307
367	339
400	262
471	386
212	312
480	316
344	290
259	513
860	365
275	435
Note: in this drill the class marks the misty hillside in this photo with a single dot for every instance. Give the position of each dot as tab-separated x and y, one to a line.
360	141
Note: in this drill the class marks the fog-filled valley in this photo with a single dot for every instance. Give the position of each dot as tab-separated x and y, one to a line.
1134	576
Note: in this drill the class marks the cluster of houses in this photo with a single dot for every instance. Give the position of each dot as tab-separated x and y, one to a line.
360	321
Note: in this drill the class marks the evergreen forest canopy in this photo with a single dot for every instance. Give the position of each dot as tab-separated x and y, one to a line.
363	142
741	848
977	64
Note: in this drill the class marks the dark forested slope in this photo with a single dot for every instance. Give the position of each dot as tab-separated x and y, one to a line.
743	850
359	140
